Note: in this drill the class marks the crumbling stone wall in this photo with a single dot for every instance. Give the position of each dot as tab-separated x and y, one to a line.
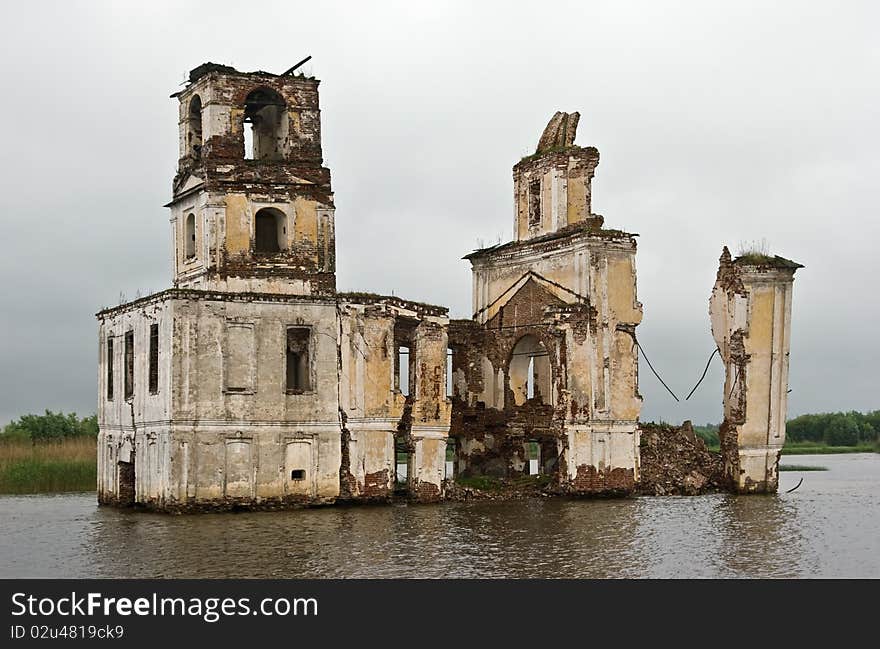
379	417
750	311
553	186
569	285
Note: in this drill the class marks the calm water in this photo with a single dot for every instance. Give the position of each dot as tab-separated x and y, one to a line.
829	527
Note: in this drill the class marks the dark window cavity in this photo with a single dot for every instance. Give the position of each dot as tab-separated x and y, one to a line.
110	369
298	474
195	127
190	236
154	358
535	204
298	366
129	364
270	231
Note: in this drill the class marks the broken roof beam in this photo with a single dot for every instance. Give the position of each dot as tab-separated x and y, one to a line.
301	63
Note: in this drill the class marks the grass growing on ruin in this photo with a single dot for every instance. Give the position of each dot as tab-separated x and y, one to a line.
28	467
801	467
481	482
754	252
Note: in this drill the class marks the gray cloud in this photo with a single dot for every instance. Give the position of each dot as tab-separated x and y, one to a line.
716	124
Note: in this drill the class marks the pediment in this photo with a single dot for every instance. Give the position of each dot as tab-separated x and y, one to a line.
190	181
524	302
186	183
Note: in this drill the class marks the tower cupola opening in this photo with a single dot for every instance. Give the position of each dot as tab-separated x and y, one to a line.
266	113
194	120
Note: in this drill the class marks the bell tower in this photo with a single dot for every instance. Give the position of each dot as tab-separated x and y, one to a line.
552	187
252	207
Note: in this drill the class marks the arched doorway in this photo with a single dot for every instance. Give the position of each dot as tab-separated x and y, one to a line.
530	374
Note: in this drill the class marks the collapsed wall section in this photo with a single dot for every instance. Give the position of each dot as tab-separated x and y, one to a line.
675	461
393	398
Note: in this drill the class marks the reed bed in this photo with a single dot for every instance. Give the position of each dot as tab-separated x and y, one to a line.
44	467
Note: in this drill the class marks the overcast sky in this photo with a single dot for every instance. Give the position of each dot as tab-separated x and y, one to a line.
717	123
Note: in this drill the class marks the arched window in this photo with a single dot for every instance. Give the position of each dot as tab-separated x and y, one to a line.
530	372
266	114
189	236
270	231
195	127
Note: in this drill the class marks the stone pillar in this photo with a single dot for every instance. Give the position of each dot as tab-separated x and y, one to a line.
750	311
431	412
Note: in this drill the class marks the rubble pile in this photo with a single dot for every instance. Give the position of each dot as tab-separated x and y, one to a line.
464	489
675	461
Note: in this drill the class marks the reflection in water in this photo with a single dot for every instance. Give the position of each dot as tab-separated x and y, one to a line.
760	536
828	527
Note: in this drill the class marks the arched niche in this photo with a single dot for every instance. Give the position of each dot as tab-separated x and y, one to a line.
270	231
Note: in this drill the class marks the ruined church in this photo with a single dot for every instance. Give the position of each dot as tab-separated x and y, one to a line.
252	382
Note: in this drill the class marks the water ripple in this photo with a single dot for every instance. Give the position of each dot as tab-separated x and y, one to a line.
828	528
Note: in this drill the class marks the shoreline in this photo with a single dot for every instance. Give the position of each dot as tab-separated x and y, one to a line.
48	470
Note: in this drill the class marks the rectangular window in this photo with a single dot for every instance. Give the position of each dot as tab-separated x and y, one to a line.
405	356
154	358
449	386
298	365
535	204
402	370
534	455
129	364
530	379
109	369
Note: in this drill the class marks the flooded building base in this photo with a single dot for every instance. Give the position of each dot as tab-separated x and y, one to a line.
253	383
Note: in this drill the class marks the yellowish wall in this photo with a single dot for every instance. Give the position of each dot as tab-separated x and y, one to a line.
306	223
758	346
238	224
577	199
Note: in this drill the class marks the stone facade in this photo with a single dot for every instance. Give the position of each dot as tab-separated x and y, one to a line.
253	383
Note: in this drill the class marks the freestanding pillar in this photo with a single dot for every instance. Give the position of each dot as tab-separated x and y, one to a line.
750	310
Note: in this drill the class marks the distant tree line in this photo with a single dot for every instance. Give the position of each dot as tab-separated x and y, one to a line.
835	428
709	433
829	428
53	426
